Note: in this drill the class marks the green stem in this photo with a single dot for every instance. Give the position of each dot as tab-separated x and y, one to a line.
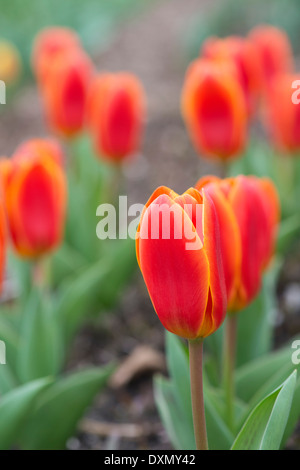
229	365
196	372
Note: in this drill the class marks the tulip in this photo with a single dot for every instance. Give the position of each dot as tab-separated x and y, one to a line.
242	54
282	115
10	62
48	45
248	212
36	199
214	109
64	92
274	52
179	254
183	269
116	114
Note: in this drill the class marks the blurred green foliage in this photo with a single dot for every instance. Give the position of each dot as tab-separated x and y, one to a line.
238	17
94	20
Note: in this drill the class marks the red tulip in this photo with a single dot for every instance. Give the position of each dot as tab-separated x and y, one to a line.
282	115
248	212
64	92
36	199
48	45
182	267
274	52
242	54
116	114
214	109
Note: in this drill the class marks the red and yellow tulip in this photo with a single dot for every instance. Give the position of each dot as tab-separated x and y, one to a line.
35	198
274	51
116	115
248	212
182	267
242	54
214	109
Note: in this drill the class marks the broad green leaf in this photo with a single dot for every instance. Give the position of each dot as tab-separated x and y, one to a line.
179	428
15	408
265	426
55	417
252	376
294	415
41	350
8	381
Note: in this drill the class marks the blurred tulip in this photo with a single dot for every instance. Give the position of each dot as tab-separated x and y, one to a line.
242	53
36	199
282	115
116	114
5	170
274	52
48	45
248	211
214	109
182	267
64	92
10	62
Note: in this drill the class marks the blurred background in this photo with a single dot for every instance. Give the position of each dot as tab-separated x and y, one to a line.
155	40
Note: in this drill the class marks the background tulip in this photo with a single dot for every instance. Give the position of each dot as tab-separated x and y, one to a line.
214	109
116	115
274	52
186	286
248	211
242	54
36	199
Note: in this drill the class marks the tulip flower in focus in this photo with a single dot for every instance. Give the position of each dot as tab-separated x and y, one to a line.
274	52
214	109
182	267
116	115
35	198
248	212
10	62
49	44
242	54
282	115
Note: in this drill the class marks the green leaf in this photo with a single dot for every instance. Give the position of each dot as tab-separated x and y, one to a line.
179	429
7	379
60	408
15	408
41	350
265	426
294	415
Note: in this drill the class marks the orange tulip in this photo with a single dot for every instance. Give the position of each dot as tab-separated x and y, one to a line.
282	115
48	45
248	212
116	114
242	54
274	52
178	251
64	92
36	199
214	109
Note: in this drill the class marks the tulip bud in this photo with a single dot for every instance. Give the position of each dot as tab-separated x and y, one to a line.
48	45
248	213
36	199
64	92
282	113
214	109
116	114
178	251
10	62
274	52
242	54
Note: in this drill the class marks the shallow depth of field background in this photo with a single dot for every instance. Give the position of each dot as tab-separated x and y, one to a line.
155	40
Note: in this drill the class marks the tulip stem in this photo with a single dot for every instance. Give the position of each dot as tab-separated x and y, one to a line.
229	365
196	373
